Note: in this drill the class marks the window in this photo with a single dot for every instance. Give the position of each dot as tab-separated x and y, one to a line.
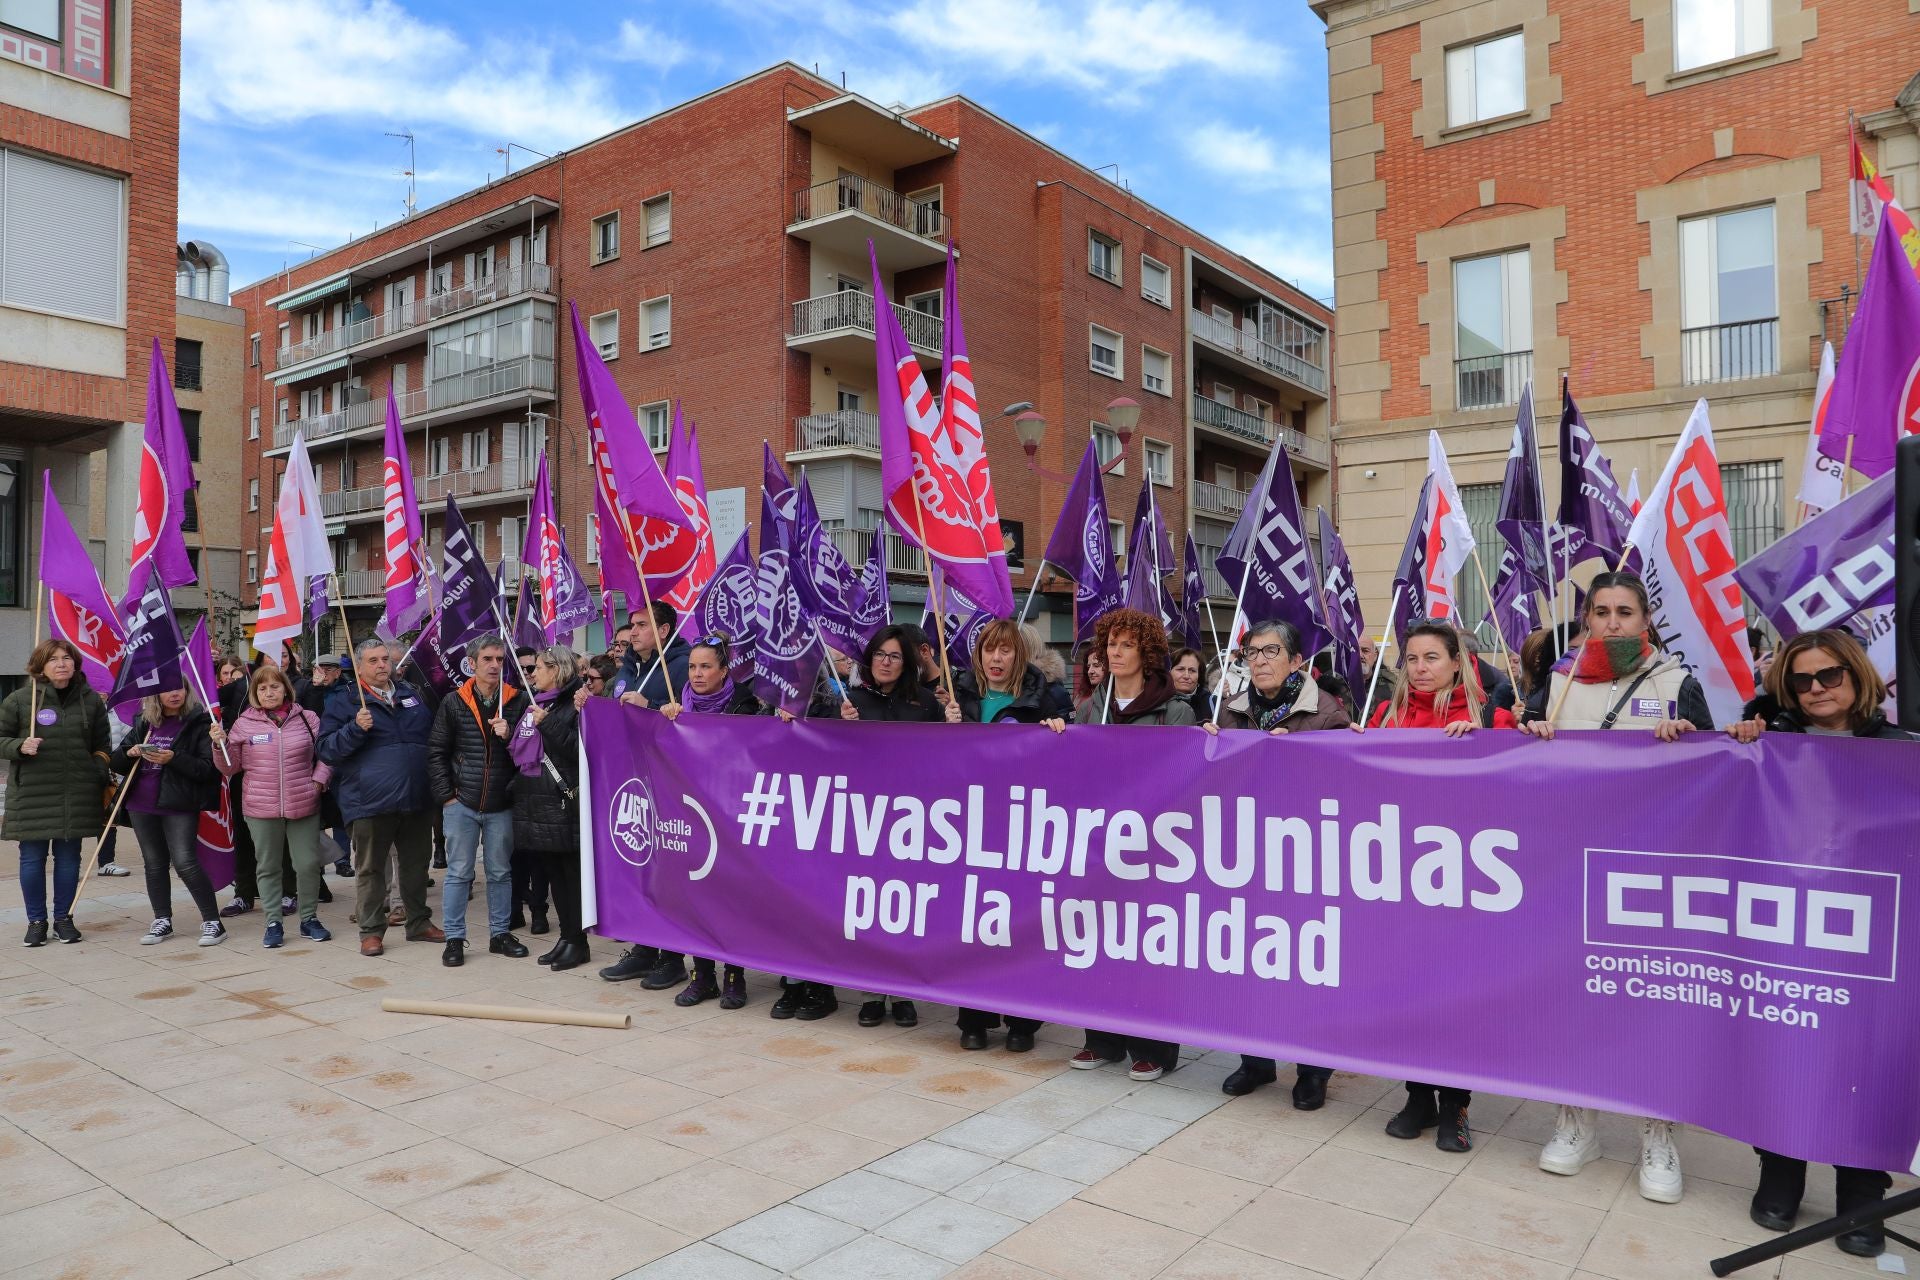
1482	505
1117	543
186	364
512	538
286	337
656	323
1493	328
253	566
847	400
439	456
62	238
440	280
1159	462
604	329
253	351
253	495
1710	31
1223	393
35	17
1156	370
659	219
1729	307
1103	256
927	208
1104	351
13	500
1486	80
312	325
190	427
930	303
656	419
283	411
1260	408
1106	447
253	423
483	266
1753	495
474	450
1156	281
606	237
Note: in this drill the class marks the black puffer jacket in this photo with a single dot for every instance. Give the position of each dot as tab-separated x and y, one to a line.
543	817
54	795
466	760
1037	700
872	704
1876	727
189	782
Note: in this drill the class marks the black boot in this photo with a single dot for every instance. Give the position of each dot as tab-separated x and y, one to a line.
733	987
818	1003
1310	1088
572	956
540	923
1420	1114
1776	1201
1251	1074
1857	1189
703	987
792	996
634	962
547	956
973	1038
1454	1135
669	971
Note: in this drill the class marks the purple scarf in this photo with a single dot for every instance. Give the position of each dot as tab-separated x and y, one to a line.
718	700
525	745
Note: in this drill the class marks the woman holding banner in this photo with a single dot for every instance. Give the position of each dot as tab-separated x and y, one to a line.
53	733
1136	691
1281	698
1436	690
545	747
1620	678
275	746
171	781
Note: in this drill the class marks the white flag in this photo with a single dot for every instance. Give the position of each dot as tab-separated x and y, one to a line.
301	521
1450	535
1686	547
1821	482
1633	492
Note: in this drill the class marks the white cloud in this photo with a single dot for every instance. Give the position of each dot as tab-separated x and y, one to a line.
1250	158
269	64
649	46
1301	257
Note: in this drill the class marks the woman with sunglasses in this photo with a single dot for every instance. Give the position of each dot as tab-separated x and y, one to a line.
1281	698
1619	677
1825	685
545	748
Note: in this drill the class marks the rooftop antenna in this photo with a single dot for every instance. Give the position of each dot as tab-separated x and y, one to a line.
408	173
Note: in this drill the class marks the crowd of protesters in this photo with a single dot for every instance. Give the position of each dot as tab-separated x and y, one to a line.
375	773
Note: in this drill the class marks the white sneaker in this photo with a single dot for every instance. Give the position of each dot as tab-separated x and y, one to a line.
1659	1162
158	931
112	869
1575	1143
212	933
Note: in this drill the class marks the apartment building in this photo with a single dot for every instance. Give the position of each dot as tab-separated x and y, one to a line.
1648	197
718	254
89	152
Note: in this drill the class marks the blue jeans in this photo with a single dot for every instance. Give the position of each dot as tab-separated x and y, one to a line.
33	877
465	829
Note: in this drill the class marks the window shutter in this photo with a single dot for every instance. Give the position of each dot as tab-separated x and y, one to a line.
467	272
63	240
659	219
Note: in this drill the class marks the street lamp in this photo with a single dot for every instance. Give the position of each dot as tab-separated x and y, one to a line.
1123	415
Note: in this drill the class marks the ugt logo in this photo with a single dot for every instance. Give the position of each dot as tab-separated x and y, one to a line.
631	822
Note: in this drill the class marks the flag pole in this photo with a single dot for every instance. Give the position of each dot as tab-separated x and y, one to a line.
1506	654
939	610
1038	570
646	596
93	859
39	620
206	573
1239	602
213	705
346	633
1379	658
1553	713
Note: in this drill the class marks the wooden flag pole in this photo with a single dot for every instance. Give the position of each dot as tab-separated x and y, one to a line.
346	634
1506	654
646	597
206	575
1553	713
1039	569
93	859
39	620
939	609
1846	472
1379	658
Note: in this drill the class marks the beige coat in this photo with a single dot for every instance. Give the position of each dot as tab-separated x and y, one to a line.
1658	697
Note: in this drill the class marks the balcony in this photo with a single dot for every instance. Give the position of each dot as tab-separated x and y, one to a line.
186	377
845	430
1730	352
839	326
446	399
903	558
1489	382
1248	428
1303	367
1218	500
361	586
397	326
842	215
505	479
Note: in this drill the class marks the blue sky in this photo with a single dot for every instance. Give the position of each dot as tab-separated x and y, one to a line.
1215	110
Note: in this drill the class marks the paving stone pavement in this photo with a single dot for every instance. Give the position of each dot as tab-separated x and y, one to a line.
175	1111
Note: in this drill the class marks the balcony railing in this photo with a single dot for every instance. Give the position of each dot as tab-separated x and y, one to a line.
1308	372
504	476
530	277
483	382
1729	352
874	200
358	584
1260	430
854	544
186	377
843	429
1218	499
1487	382
355	417
853	310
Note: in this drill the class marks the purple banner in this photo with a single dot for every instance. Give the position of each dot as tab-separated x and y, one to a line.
1174	892
1831	567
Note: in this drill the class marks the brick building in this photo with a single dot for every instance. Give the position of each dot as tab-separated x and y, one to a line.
1648	196
89	141
717	252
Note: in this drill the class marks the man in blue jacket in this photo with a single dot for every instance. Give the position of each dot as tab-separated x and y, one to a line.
379	756
643	682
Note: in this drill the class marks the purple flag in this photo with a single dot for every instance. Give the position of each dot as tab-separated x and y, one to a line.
1081	547
634	472
467	587
317	602
525	746
166	473
154	645
786	650
1193	596
402	531
214	835
875	608
779	502
1591	506
960	428
1267	562
573	605
1342	874
828	587
1146	511
1345	620
78	610
526	616
1831	567
1144	591
539	559
1522	521
1876	389
436	663
729	605
1410	576
1512	607
616	566
964	620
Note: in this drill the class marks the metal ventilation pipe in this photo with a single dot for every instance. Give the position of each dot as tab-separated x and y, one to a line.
182	272
214	263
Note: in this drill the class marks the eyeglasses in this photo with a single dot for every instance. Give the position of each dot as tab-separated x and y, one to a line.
1829	678
1270	652
596	679
886	656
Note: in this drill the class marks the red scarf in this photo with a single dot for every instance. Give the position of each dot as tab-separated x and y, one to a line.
1605	661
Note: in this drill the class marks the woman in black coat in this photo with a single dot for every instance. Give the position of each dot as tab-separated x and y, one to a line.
171	781
546	794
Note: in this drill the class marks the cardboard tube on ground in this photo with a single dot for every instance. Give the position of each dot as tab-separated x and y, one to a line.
509	1013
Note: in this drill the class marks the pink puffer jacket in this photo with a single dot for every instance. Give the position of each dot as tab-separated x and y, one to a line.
283	773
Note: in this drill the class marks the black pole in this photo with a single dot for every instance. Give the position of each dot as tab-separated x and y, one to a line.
1865	1215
